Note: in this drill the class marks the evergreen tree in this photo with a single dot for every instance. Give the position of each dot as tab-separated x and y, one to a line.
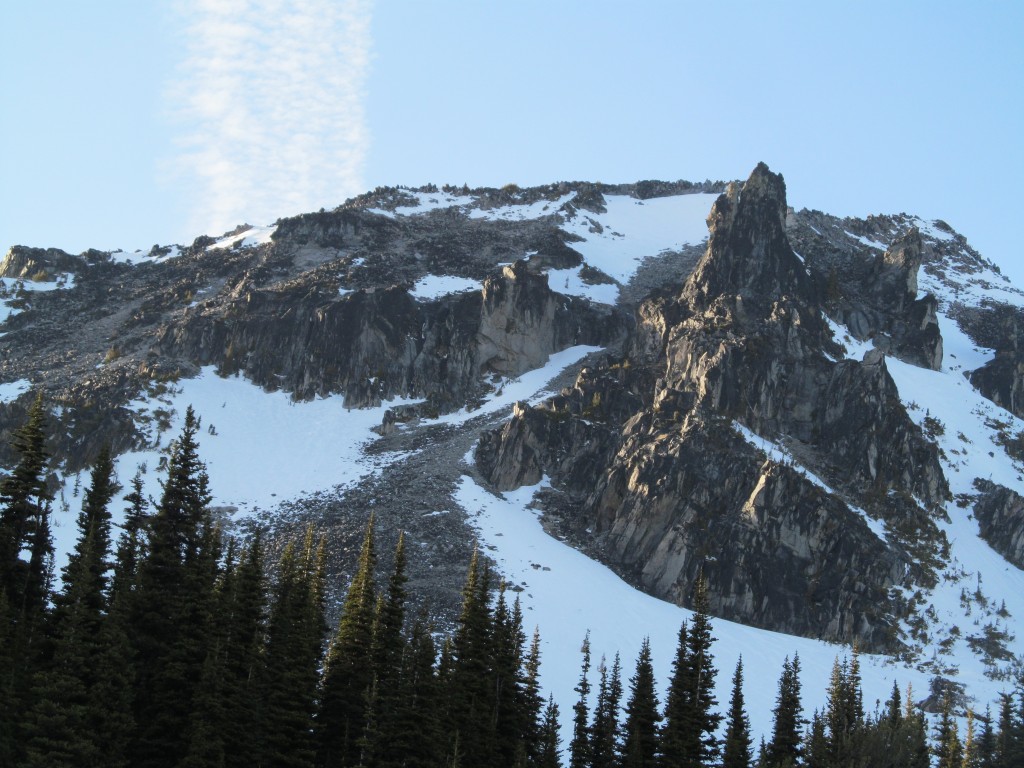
226	712
533	702
172	607
61	727
579	747
986	749
471	681
348	675
784	749
24	525
24	584
970	757
948	750
294	651
913	743
844	714
416	739
736	751
510	716
549	755
676	741
116	663
816	747
640	731
604	733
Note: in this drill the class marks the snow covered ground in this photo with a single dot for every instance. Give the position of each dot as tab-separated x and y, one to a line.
615	242
566	594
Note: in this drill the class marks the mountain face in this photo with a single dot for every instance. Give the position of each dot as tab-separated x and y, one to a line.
756	401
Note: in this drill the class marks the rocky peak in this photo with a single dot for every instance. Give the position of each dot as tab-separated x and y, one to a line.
748	253
895	271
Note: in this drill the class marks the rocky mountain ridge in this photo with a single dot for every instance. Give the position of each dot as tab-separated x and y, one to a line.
727	429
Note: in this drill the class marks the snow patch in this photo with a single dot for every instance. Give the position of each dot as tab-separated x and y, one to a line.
435	286
566	595
631	230
569	283
12	390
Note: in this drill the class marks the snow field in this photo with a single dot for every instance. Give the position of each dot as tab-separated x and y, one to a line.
566	594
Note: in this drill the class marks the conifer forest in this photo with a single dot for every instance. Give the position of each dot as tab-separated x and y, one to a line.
170	644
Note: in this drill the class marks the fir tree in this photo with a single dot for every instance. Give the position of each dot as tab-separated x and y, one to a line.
416	739
986	744
604	733
844	715
24	584
549	755
736	750
387	651
471	682
816	747
294	651
784	749
510	715
533	702
579	747
61	727
172	606
948	749
348	675
640	731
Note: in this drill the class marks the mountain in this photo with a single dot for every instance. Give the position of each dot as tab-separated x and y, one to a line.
607	387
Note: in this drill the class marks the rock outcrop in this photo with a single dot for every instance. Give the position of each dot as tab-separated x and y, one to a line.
646	448
1000	515
379	344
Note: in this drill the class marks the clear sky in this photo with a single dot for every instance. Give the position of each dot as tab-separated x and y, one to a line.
127	123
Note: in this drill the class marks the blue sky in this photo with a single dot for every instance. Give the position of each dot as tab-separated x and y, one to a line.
126	124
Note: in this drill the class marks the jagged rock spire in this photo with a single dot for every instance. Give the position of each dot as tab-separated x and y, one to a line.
748	253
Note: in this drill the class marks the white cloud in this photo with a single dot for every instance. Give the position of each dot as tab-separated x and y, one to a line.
270	99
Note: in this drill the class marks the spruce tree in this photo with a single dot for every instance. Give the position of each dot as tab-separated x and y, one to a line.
25	585
510	714
986	749
675	739
348	675
175	585
579	747
387	652
640	731
604	733
416	740
816	747
947	749
736	750
116	663
533	702
471	681
549	755
61	726
784	749
294	653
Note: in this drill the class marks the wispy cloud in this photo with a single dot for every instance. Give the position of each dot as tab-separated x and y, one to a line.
271	101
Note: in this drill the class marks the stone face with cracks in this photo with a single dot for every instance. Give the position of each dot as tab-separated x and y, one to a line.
678	492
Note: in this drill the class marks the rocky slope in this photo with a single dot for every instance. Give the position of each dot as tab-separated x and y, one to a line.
748	419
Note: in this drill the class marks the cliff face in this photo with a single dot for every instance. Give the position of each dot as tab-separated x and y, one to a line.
680	491
381	343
